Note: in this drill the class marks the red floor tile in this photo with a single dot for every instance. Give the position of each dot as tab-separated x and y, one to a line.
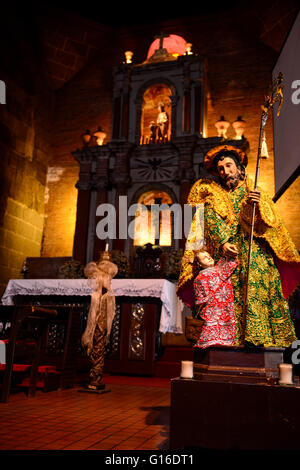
125	418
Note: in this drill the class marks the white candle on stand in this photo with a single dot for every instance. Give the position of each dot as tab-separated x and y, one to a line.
286	374
187	370
106	247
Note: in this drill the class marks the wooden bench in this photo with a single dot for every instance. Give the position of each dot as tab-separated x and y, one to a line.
37	318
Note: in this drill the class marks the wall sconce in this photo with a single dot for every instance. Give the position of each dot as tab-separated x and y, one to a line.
239	126
86	137
222	126
99	135
128	57
188	48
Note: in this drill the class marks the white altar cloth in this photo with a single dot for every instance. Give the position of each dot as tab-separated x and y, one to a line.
171	311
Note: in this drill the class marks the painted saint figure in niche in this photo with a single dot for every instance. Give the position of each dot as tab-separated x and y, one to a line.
162	122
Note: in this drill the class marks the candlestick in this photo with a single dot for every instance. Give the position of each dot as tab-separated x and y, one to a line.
105	255
187	370
286	374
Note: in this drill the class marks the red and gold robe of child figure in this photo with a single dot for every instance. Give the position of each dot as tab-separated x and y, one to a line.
214	303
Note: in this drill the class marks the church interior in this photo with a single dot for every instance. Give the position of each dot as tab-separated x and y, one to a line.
106	110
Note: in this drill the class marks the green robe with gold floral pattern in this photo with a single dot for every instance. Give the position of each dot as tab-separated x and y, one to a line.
226	219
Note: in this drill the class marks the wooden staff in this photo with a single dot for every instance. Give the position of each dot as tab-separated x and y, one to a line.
275	95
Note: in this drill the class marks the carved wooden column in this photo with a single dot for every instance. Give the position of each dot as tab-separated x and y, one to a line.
198	106
92	191
121	98
101	184
187	111
186	175
83	204
174	101
187	99
116	117
121	180
125	102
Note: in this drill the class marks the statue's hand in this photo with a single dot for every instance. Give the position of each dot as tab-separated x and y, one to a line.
254	196
230	250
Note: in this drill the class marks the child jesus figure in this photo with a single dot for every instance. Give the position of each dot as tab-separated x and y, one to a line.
214	302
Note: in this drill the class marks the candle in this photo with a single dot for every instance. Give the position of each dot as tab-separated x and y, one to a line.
106	247
187	370
286	374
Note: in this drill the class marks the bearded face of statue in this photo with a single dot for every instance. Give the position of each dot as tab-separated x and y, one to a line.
229	173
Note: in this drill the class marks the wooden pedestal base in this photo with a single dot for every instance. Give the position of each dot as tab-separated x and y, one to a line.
98	391
238	363
234	401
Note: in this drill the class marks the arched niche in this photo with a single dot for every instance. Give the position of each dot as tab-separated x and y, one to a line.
156	116
145	222
154	100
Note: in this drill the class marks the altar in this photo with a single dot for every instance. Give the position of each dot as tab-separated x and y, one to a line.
145	309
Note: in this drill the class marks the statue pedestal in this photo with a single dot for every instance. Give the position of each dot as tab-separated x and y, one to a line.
97	390
238	363
235	401
213	413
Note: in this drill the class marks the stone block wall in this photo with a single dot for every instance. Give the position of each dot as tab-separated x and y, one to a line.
60	207
25	131
24	159
20	236
83	103
68	43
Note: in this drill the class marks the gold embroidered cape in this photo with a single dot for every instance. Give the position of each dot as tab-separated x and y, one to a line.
227	216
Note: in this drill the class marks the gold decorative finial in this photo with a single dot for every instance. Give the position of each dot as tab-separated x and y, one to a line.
276	94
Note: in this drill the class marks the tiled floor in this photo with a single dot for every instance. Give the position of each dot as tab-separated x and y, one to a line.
132	416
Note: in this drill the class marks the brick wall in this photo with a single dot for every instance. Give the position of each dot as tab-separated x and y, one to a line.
25	127
24	154
84	103
68	43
